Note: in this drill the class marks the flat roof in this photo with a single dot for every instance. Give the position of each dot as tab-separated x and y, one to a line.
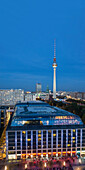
38	114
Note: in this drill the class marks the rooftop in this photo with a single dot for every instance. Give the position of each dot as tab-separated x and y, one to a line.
39	114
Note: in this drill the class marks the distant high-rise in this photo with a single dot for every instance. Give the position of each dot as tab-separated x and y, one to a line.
47	90
54	68
38	88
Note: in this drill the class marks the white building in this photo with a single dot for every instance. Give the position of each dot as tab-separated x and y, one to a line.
77	95
28	96
11	97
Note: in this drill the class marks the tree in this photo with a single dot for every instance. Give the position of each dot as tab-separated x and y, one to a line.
83	118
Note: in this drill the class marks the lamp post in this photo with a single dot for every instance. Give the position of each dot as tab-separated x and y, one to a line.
45	165
5	168
25	166
64	164
80	160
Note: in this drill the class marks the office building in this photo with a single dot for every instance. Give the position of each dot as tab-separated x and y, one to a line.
38	88
37	129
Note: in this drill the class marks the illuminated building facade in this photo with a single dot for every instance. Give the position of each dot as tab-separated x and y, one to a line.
40	130
5	113
3	116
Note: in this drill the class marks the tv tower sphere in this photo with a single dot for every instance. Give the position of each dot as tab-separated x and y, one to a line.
54	68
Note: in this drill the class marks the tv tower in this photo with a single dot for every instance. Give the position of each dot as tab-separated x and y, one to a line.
54	68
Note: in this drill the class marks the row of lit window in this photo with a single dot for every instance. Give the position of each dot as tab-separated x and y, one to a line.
39	132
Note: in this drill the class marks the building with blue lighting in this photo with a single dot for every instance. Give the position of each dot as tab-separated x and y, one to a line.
37	129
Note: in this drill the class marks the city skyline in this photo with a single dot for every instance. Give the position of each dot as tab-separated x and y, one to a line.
27	33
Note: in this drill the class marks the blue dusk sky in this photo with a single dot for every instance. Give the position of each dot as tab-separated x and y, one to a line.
27	32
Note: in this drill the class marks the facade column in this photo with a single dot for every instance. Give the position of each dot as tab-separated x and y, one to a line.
36	142
26	144
16	143
52	142
21	143
66	141
47	144
80	142
61	142
76	141
31	144
56	142
42	143
71	140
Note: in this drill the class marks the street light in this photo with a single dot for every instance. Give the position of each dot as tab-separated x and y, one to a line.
5	168
31	156
64	164
45	165
80	160
36	157
25	166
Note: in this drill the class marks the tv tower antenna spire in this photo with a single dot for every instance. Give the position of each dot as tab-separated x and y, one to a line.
55	48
